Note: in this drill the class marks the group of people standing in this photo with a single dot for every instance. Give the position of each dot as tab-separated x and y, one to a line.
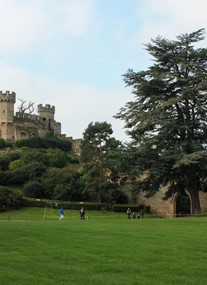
133	215
130	214
82	214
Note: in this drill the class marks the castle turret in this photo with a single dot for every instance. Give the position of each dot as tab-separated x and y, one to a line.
47	112
7	101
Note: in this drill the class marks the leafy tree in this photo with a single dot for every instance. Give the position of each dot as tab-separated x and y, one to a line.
167	119
98	151
31	171
34	156
10	198
64	184
95	141
33	189
56	158
6	158
48	142
33	142
45	142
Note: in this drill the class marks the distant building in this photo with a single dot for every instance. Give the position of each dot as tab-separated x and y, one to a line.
23	125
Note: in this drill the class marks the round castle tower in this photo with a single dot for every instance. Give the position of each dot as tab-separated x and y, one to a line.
47	112
7	101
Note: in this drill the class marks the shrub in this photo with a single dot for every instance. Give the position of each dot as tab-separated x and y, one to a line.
2	143
15	164
33	189
123	208
45	142
10	198
7	158
56	158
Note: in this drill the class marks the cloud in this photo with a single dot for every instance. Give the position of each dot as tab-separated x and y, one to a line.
76	105
20	23
170	18
74	17
25	23
72	53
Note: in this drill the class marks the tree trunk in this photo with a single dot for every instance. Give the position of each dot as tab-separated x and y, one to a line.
195	201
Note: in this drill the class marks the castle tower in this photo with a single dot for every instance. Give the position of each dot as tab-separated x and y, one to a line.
7	101
47	112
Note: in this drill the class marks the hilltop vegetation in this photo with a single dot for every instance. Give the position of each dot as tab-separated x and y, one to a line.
46	168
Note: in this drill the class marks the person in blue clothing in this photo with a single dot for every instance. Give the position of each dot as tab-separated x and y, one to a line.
61	214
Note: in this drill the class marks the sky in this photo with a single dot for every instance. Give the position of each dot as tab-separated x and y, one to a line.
72	53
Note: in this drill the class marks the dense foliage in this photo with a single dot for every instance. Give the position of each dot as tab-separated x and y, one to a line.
99	153
45	142
54	173
167	119
10	199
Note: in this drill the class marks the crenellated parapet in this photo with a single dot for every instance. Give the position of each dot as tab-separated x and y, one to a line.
46	108
27	116
7	96
24	125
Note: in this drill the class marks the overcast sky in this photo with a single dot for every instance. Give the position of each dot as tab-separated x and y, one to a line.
72	53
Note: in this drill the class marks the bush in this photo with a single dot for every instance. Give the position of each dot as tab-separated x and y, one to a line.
56	158
33	189
137	208
45	142
7	158
2	143
10	198
15	164
41	203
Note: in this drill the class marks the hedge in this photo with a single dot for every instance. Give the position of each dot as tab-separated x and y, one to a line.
41	203
137	208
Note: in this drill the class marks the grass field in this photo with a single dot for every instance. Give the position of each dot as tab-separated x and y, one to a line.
106	249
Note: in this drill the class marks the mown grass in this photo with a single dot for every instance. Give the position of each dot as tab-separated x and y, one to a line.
105	249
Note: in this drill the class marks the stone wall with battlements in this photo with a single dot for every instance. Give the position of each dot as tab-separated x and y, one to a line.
46	111
8	97
22	124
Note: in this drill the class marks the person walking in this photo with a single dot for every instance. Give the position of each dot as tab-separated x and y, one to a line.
61	214
129	213
82	214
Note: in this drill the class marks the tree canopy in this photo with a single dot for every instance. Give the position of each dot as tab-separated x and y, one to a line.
167	118
99	151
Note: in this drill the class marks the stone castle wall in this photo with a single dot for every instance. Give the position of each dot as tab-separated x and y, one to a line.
24	125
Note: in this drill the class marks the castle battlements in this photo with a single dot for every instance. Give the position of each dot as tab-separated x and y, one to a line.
46	108
24	124
27	116
8	97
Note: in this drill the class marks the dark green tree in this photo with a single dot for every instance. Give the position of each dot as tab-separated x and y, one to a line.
63	184
56	158
167	118
10	199
33	189
98	150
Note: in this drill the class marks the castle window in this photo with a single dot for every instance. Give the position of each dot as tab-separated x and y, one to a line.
23	135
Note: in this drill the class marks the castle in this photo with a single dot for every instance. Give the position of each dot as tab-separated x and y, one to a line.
23	125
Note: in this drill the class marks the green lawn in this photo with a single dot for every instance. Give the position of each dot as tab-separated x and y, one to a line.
106	249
